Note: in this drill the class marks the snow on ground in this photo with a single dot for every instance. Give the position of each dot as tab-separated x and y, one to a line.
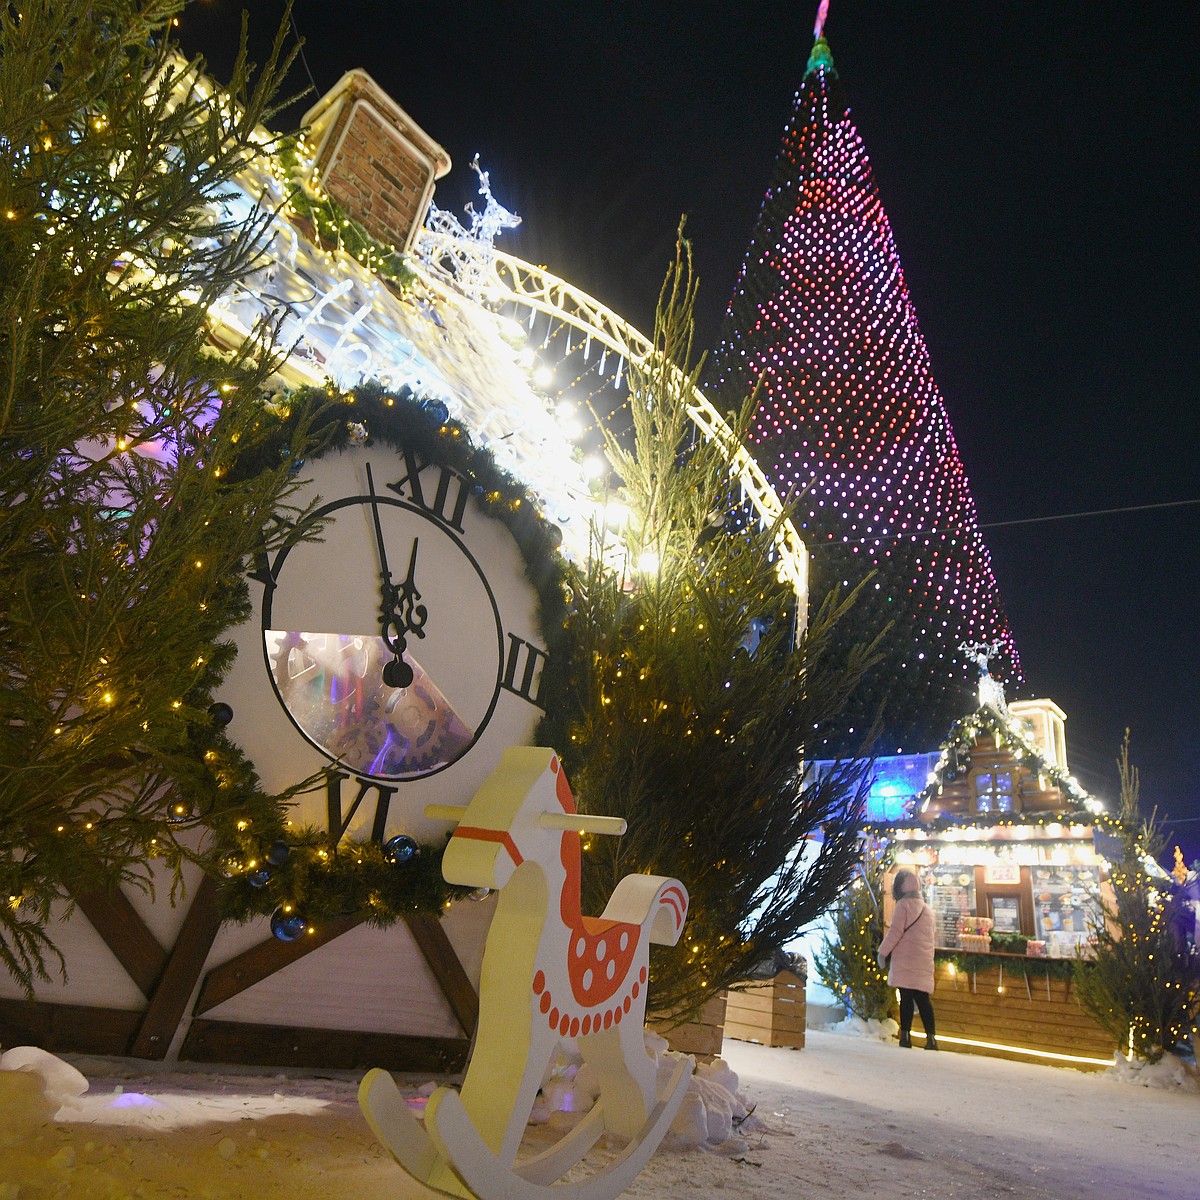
844	1117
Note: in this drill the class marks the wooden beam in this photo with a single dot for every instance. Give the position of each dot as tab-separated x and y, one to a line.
342	1049
66	1027
256	964
179	977
125	933
433	943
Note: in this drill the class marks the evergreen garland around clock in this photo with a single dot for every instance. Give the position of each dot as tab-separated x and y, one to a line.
271	866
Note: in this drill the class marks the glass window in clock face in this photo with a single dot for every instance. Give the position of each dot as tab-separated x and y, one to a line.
326	654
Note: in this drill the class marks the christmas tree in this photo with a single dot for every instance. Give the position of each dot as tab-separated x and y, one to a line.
689	701
848	962
851	425
1142	983
123	521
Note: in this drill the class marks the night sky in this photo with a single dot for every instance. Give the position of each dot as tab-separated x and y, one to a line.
1039	166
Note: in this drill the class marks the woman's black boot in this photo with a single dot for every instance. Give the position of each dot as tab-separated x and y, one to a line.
931	1044
905	1040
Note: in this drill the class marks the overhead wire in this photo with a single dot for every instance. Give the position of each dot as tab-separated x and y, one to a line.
914	533
300	51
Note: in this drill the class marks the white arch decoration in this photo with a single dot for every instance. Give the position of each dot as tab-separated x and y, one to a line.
515	281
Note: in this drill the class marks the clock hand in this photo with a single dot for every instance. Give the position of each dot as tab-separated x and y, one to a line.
396	673
414	614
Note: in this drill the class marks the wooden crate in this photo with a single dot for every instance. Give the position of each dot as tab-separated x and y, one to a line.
1032	1014
701	1037
771	1013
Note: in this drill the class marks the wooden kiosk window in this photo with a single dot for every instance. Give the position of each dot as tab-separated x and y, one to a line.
994	791
1006	902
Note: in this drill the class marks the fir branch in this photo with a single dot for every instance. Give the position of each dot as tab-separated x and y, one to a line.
847	962
122	534
1141	982
672	719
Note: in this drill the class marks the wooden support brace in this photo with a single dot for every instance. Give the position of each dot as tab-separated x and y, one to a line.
433	943
256	964
125	933
179	977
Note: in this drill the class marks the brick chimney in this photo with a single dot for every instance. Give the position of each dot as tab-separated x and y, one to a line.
374	159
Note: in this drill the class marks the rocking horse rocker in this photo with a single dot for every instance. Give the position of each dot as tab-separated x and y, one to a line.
548	972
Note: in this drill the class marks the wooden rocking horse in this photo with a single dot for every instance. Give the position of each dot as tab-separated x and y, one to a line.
548	972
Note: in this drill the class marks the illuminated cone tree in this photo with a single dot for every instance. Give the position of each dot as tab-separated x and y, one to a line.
851	423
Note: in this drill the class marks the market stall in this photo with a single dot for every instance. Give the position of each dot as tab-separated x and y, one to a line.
1013	857
1015	901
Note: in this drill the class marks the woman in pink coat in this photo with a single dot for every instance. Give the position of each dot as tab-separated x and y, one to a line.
909	940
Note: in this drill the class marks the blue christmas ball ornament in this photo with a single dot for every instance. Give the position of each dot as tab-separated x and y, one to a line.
259	878
437	411
287	926
400	850
279	853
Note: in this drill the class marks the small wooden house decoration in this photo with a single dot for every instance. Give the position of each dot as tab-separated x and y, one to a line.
1004	763
1011	856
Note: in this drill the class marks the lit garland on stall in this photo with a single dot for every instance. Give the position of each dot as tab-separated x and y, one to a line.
970	964
851	420
986	822
1010	735
304	877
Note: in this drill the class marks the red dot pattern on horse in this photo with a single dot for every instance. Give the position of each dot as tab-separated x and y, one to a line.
567	1025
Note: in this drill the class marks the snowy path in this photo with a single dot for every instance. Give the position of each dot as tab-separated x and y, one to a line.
847	1117
871	1119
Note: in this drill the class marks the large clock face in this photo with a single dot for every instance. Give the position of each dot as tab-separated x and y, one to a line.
396	645
330	646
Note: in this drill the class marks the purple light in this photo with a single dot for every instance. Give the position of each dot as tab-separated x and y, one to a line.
134	1100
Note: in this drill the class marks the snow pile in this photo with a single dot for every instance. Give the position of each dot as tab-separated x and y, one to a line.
50	1083
1171	1073
713	1115
23	1106
878	1031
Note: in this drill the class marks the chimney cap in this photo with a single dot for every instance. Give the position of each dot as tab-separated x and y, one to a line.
358	80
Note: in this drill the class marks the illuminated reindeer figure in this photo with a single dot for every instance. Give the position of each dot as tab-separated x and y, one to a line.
548	972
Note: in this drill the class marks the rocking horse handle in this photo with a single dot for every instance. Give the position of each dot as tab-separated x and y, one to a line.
584	823
453	813
577	822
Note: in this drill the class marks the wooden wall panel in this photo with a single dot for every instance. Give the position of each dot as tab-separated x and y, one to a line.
261	961
276	1046
94	976
1032	1012
61	1028
367	980
133	945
